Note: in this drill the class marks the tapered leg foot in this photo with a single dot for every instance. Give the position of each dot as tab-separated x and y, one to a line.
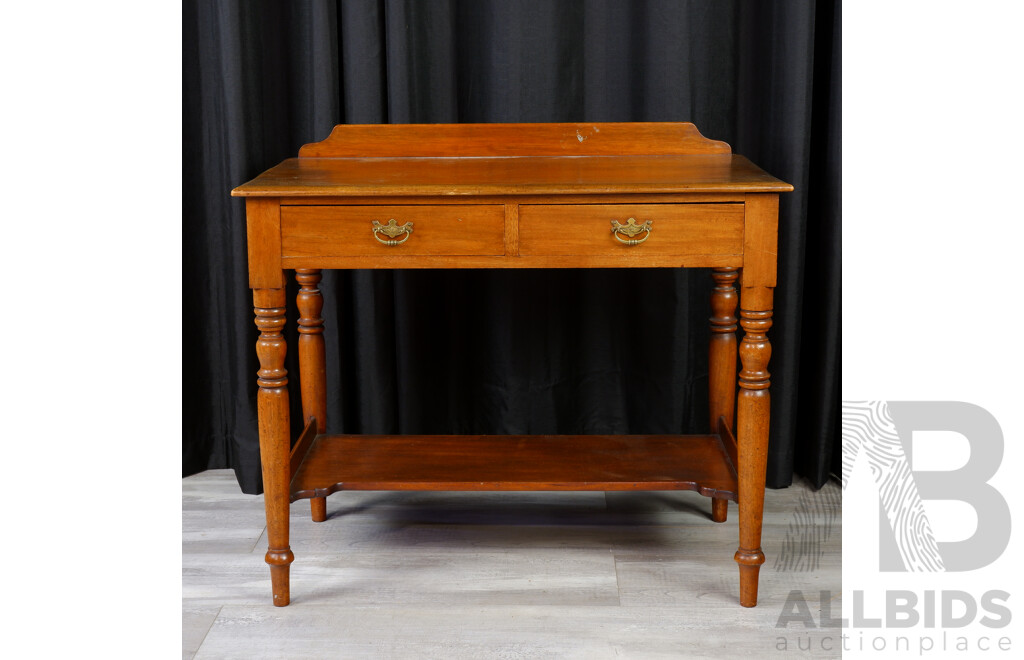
750	565
318	506
280	562
719	510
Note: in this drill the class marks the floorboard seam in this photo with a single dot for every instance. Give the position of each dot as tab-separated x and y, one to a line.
207	633
535	585
255	543
618	585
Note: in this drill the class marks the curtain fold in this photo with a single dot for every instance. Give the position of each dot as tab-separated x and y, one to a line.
544	351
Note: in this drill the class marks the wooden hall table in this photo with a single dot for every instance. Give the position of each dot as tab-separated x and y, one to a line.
614	195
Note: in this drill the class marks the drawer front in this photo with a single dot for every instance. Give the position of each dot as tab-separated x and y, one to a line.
674	230
338	231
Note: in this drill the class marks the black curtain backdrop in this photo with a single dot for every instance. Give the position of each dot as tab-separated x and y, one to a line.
544	351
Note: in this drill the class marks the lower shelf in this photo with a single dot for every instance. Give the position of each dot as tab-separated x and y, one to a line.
515	462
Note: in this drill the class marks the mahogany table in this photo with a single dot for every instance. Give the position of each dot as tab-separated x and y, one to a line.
613	195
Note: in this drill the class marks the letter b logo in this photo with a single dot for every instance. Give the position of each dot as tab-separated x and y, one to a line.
883	431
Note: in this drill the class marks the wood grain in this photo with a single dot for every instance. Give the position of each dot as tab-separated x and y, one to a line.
722	348
195	625
263	231
752	421
613	260
324	231
469	575
753	404
312	372
586	229
511	229
760	241
563	198
301	447
312	361
527	175
471	632
476	140
272	411
541	462
728	443
219	520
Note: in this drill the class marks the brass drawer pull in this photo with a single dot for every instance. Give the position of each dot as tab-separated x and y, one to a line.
631	229
391	230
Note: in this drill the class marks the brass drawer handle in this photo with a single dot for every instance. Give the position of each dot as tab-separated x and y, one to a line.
391	230
631	229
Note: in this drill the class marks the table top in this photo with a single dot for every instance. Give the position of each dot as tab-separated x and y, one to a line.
511	159
510	175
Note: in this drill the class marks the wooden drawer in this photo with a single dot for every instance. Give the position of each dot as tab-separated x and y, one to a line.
336	231
675	230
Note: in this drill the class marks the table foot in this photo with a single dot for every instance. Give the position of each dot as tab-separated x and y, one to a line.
280	562
750	566
719	510
318	507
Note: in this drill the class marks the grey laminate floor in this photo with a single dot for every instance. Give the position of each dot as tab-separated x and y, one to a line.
502	575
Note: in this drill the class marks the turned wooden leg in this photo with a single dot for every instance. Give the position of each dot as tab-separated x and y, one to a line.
722	361
275	444
312	363
752	435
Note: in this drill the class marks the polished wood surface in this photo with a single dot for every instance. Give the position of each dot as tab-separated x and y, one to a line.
332	231
722	363
515	462
526	198
312	367
728	439
479	140
272	409
517	196
301	447
722	348
693	230
514	235
522	175
612	258
720	506
753	402
263	229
